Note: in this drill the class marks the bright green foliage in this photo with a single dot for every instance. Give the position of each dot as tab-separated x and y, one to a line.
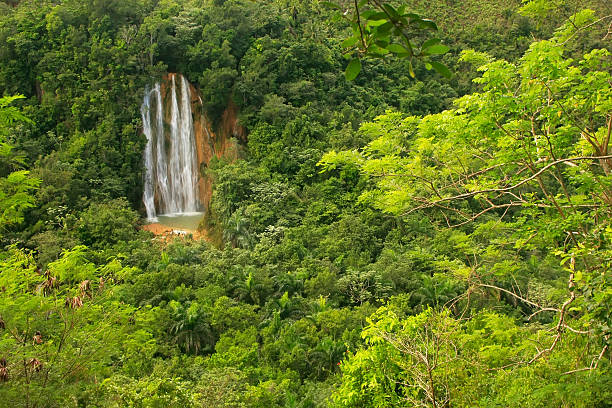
10	114
526	164
405	364
433	360
16	187
63	328
154	392
15	196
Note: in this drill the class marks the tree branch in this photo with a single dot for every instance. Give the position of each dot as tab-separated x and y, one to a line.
510	188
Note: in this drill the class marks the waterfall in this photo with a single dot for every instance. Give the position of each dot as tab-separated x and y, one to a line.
148	196
161	166
170	157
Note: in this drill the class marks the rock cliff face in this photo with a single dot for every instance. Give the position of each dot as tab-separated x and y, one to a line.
218	141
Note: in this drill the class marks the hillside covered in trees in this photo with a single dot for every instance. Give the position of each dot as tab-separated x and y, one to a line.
404	204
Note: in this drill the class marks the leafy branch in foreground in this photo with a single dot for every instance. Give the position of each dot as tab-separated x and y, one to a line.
63	329
531	155
379	30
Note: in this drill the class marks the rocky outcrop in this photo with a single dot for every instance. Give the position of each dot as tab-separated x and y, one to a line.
220	141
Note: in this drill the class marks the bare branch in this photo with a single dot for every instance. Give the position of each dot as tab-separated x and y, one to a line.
578	29
594	363
510	188
522	299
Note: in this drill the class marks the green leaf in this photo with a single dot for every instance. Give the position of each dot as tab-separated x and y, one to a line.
397	49
366	14
373	15
353	69
385	29
441	69
437	49
349	42
411	70
412	16
392	12
383	43
376	23
376	51
428	24
430	42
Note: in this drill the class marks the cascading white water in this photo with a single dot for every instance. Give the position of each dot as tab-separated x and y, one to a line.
149	193
171	177
161	166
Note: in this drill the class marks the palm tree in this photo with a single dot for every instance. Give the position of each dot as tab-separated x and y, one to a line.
435	291
190	329
236	230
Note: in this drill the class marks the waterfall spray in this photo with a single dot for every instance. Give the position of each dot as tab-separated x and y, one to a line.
148	196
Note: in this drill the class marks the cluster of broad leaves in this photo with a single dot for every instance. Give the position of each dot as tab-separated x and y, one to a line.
379	29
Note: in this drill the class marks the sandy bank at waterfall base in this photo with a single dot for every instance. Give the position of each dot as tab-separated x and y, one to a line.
168	232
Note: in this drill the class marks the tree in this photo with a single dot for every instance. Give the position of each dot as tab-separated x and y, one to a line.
190	329
405	363
17	186
236	230
434	360
531	151
61	330
108	223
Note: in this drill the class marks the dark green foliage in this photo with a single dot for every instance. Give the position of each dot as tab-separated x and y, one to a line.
107	223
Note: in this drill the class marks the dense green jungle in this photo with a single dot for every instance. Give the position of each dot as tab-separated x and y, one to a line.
416	210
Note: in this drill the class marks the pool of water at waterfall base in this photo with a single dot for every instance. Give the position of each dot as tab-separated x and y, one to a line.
184	221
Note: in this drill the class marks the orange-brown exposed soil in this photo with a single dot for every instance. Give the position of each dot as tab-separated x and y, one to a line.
167	233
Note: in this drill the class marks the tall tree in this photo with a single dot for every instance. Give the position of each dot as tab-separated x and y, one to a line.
531	151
